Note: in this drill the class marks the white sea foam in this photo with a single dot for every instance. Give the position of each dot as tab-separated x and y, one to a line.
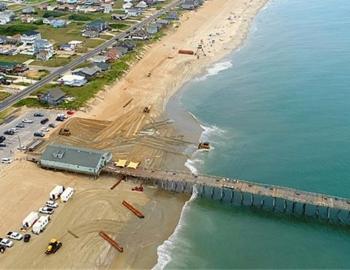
192	165
210	132
164	251
215	69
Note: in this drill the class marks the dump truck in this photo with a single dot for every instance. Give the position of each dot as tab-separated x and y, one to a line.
53	246
64	132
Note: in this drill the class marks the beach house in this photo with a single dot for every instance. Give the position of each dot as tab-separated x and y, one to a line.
97	26
29	37
52	97
43	49
28	10
6	17
72	80
87	72
133	12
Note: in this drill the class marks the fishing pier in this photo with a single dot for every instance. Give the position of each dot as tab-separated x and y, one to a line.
245	193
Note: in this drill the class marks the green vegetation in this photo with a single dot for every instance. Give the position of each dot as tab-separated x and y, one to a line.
17	28
79	17
4	95
30	102
120	26
48	14
53	62
20	58
61	35
92	43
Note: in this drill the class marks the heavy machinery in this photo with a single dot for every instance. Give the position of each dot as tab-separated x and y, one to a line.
64	132
53	246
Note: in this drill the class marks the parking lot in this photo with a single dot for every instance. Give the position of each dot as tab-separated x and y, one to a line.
23	136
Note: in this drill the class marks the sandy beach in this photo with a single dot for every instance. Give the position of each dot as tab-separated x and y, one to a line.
115	120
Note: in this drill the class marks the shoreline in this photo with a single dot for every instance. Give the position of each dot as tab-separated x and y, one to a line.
161	91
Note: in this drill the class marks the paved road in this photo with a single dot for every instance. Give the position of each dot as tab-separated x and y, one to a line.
16	97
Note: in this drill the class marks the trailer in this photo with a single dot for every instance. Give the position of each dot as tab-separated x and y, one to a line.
56	192
30	220
41	224
67	194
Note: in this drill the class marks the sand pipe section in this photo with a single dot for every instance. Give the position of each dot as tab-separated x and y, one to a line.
133	209
111	241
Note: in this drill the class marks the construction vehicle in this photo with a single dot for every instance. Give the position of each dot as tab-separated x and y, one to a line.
138	188
64	132
147	109
204	145
53	246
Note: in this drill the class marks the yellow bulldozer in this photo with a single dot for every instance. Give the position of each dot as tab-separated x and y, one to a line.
53	246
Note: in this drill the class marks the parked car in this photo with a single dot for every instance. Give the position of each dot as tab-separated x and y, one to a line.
44	121
6	160
38	114
9	132
20	125
2	144
51	204
39	134
22	148
15	236
26	238
70	112
60	117
27	121
6	242
2	138
52	125
2	248
46	210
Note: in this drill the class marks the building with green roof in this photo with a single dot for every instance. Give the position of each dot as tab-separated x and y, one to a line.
75	159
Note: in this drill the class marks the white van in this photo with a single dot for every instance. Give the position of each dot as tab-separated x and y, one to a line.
67	194
56	192
41	224
30	220
6	160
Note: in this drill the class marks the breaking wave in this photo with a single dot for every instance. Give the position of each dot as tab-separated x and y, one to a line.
215	69
164	251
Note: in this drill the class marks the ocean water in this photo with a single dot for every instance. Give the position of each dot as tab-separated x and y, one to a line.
276	111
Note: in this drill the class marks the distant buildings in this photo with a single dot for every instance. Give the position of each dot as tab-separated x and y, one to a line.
6	17
28	10
12	67
97	26
190	4
56	23
133	12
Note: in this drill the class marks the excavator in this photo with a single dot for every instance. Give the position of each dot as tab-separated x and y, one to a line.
53	246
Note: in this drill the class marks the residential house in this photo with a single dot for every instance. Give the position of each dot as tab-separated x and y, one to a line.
119	17
90	34
6	16
71	2
139	35
127	6
29	37
72	80
150	2
53	97
12	67
97	25
107	8
58	23
87	72
3	40
28	10
102	66
112	55
130	45
134	12
27	19
67	47
172	16
141	5
98	59
121	51
43	49
189	4
3	6
152	28
162	22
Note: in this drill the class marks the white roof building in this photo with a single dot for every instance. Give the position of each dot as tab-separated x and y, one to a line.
72	80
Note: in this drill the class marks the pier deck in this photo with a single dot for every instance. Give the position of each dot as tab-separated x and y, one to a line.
220	187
